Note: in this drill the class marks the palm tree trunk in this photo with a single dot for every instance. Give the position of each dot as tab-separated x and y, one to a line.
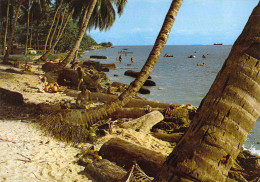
2	25
30	44
53	21
28	27
46	55
225	116
92	116
55	29
87	14
37	38
61	25
10	42
6	27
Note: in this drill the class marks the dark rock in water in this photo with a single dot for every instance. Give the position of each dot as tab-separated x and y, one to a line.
144	91
108	65
98	57
105	69
149	83
100	67
191	56
116	75
11	97
133	74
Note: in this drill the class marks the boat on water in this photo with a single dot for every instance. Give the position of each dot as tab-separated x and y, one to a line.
218	44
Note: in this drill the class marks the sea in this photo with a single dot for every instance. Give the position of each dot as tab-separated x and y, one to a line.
178	79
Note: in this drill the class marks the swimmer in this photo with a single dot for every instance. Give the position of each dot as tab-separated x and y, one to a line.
132	59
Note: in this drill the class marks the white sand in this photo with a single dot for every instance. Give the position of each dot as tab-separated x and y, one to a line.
28	155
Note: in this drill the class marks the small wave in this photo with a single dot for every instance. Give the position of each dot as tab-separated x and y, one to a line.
252	149
160	88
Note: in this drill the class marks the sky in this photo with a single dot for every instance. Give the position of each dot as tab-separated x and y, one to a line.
199	22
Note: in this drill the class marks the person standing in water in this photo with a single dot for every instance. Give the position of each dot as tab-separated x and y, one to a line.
132	59
120	58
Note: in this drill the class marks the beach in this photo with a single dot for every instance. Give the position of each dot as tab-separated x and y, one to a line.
30	154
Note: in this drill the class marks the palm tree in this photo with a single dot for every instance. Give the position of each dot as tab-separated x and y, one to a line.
6	26
87	13
62	15
10	42
225	116
94	115
55	14
45	56
103	16
28	26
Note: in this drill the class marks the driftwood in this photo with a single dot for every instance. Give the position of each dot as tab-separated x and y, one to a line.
173	137
124	153
110	98
132	112
105	171
144	123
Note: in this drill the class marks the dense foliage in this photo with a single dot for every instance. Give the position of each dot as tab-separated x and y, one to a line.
41	16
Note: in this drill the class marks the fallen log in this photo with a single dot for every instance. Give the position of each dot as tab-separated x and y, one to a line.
124	153
145	122
133	103
132	112
173	137
105	171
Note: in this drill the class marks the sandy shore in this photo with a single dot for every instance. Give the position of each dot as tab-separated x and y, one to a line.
28	155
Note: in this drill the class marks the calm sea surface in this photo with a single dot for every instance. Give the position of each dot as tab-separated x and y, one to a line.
178	78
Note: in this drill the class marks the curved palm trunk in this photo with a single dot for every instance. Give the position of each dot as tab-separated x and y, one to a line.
46	55
92	116
2	25
47	38
56	26
60	27
28	27
30	43
10	42
6	27
87	13
225	116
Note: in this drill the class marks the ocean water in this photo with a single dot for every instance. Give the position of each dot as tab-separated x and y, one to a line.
178	79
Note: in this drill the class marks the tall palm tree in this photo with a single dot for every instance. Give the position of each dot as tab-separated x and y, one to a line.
6	26
28	26
94	115
87	13
45	55
55	14
225	116
61	25
10	42
102	16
